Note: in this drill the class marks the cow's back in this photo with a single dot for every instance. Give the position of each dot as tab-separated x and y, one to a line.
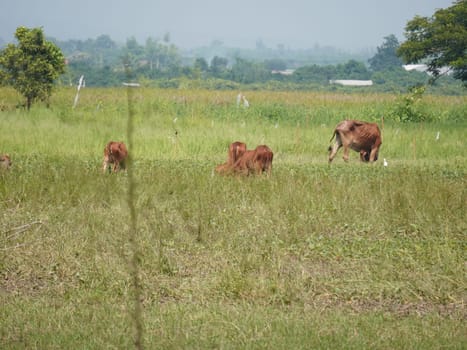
117	151
368	134
359	134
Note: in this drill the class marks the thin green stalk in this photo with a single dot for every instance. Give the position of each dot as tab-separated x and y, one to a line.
133	233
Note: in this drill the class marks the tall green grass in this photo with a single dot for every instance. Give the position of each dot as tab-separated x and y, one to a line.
317	256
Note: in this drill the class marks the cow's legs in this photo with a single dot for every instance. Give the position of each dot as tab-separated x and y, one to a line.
346	153
105	165
260	167
363	155
374	150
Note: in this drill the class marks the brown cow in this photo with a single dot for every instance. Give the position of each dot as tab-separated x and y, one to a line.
255	161
360	136
5	162
114	153
236	150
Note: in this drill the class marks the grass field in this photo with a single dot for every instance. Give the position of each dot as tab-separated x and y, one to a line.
347	255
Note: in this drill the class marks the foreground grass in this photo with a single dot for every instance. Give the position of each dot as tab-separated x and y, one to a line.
317	256
304	258
225	326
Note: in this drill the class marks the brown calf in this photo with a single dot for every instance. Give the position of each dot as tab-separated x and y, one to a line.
5	162
360	136
255	161
114	153
236	150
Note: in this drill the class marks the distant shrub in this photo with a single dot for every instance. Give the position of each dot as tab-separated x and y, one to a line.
408	108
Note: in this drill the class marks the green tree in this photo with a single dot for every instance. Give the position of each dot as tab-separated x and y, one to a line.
352	70
248	72
218	66
275	64
440	40
133	52
386	55
32	66
201	64
103	49
152	53
314	73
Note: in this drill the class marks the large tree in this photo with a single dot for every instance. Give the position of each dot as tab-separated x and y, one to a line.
386	56
31	66
440	40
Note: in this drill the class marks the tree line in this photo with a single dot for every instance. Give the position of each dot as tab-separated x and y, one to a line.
102	62
35	63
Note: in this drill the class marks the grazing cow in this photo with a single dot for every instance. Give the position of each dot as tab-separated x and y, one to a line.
360	136
255	161
114	153
5	162
236	150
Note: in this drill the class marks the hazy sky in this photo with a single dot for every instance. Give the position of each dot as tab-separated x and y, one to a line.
347	24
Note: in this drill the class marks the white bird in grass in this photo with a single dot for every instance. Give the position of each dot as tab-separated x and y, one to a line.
246	104
437	136
385	162
239	99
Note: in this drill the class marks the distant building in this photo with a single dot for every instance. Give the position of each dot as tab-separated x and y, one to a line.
417	67
424	68
352	82
283	72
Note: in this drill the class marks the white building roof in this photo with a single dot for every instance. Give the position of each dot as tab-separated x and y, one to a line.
352	82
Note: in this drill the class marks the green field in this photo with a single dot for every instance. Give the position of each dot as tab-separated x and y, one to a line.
341	256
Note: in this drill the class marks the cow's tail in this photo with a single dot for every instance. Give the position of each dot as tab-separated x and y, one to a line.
333	135
332	138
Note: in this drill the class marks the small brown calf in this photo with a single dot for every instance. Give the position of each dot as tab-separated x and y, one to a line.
114	153
236	150
5	162
255	161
